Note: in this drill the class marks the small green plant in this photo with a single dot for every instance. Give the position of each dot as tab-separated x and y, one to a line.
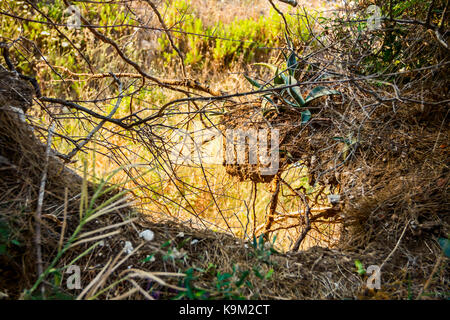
191	292
226	42
360	268
262	276
263	250
227	285
148	258
290	94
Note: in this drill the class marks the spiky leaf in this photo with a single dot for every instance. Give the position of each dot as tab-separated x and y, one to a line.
292	63
294	91
278	79
445	245
306	116
265	108
297	95
253	82
320	91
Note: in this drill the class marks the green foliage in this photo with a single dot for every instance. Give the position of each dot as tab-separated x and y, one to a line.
227	285
405	6
445	245
242	37
263	250
292	94
360	268
61	47
191	292
148	258
318	92
246	38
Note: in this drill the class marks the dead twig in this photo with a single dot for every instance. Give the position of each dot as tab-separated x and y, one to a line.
38	240
98	127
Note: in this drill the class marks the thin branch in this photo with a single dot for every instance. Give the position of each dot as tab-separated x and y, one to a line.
64	225
38	240
169	36
136	66
286	27
98	127
396	245
307	220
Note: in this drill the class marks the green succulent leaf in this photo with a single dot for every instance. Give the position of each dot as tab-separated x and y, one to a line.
261	241
306	116
278	79
292	64
294	91
286	79
268	99
254	244
295	105
297	95
320	91
269	105
253	82
445	245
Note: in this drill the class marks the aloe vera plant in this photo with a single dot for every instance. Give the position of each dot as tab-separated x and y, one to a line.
291	95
